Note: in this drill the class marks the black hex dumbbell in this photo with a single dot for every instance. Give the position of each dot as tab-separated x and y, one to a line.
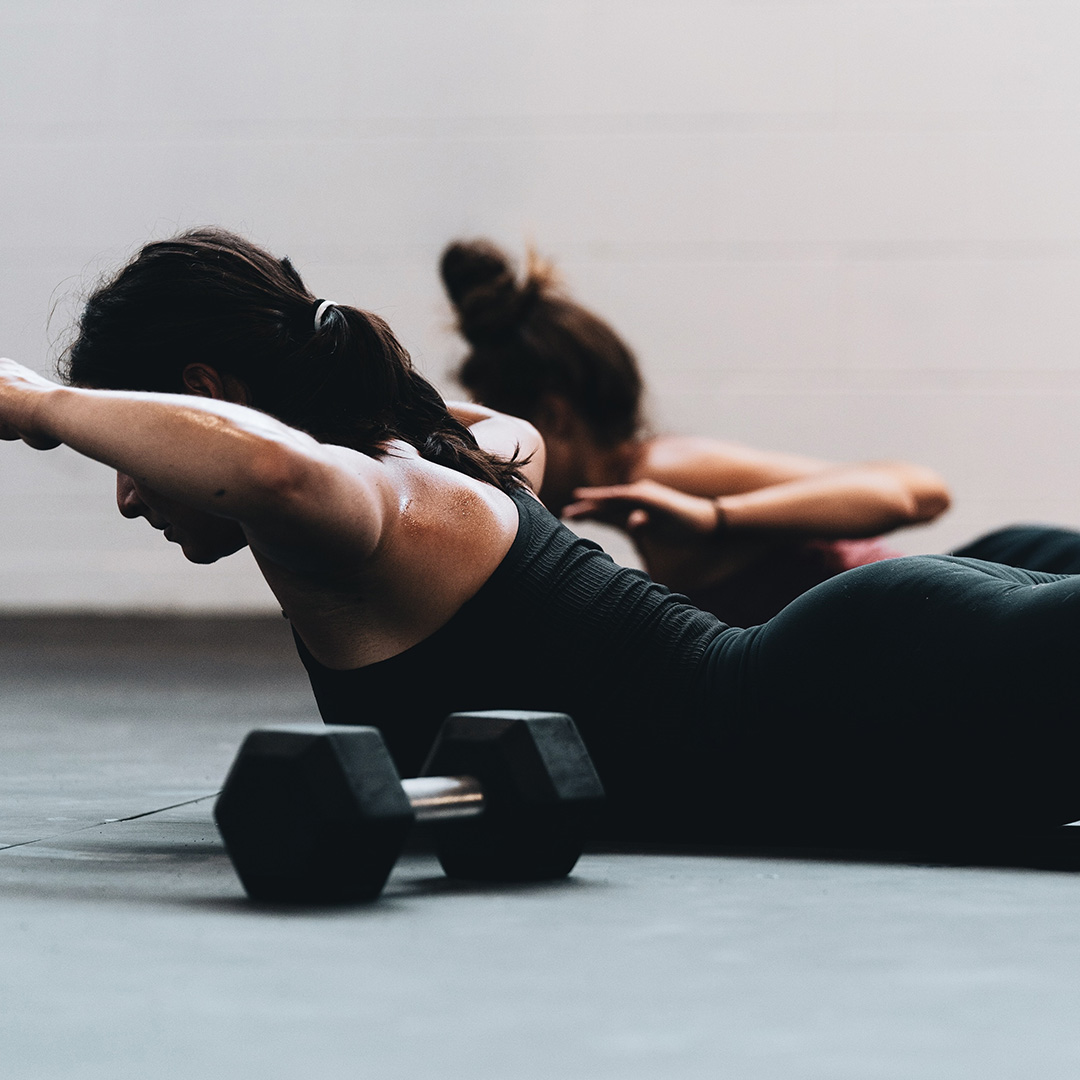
319	814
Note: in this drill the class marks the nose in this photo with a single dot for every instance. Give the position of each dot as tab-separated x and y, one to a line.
128	500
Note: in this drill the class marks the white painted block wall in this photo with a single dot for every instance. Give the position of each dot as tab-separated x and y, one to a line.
842	227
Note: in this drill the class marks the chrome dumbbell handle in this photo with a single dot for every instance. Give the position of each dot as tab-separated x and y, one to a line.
443	798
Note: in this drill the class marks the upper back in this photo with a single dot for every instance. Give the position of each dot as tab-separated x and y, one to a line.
556	627
443	535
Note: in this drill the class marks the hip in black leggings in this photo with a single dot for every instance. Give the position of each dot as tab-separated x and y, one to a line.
917	695
1034	547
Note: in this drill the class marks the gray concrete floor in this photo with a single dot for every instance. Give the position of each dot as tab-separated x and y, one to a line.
129	949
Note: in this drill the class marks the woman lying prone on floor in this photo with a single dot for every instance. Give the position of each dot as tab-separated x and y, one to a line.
422	576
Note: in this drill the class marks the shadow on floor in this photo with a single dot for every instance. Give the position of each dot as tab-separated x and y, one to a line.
1053	849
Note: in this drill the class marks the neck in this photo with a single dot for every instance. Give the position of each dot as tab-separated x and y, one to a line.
603	465
576	460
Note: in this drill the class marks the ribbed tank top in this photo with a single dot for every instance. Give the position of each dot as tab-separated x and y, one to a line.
558	626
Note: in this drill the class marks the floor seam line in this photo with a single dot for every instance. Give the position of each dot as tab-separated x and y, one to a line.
109	821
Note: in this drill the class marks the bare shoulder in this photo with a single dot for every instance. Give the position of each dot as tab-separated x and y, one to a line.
346	517
443	534
713	467
436	485
429	514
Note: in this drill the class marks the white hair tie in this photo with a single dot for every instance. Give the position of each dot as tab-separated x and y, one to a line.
320	311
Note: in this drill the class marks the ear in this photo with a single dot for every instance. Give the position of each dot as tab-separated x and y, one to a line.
557	418
205	381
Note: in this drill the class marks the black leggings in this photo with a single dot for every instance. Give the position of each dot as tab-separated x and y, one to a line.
910	696
1032	547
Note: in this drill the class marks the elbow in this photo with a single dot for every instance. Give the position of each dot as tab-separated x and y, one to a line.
528	435
931	496
530	442
921	495
530	452
931	505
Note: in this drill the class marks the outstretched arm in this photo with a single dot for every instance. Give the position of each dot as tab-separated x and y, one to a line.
287	490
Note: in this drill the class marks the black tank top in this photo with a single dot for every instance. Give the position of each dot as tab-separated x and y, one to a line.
558	626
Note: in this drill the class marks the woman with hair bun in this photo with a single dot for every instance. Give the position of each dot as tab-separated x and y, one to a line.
767	526
421	576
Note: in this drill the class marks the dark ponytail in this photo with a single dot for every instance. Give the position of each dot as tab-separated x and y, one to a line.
212	297
528	339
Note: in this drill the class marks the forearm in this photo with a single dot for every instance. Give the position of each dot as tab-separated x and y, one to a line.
849	502
212	455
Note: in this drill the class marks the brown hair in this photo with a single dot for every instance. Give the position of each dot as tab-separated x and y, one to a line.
528	339
211	296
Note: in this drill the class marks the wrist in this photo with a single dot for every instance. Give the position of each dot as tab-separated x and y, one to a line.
44	406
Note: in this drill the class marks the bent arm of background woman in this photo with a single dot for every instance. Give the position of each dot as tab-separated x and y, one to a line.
754	491
846	502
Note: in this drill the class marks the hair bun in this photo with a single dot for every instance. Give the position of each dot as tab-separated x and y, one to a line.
483	287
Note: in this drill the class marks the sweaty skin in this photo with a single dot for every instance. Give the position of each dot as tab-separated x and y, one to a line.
366	555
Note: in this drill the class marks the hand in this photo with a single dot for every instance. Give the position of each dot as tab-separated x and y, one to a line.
674	533
646	505
21	392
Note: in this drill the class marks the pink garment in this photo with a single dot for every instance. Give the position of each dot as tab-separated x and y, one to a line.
758	591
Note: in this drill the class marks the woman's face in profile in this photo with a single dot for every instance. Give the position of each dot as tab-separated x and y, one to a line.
203	538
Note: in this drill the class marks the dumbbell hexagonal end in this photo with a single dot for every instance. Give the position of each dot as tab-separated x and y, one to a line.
541	793
313	814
